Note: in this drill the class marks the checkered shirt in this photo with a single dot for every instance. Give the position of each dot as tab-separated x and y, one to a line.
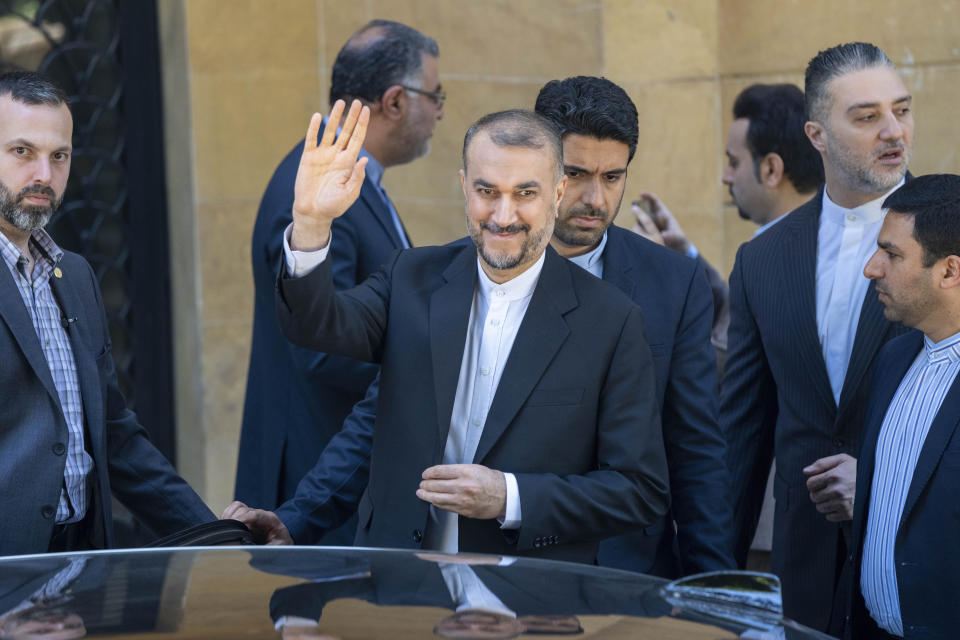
46	316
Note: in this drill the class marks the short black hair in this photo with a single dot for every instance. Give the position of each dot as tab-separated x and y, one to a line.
518	128
776	114
833	62
31	88
590	106
934	202
391	56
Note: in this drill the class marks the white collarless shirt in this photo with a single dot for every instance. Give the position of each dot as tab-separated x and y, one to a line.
495	317
845	241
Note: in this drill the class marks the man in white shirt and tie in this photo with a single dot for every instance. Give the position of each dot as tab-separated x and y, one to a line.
907	519
517	411
806	326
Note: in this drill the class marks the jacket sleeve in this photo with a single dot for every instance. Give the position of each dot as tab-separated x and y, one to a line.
330	493
748	412
695	447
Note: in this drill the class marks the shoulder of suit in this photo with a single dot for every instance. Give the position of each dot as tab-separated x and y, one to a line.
653	259
784	230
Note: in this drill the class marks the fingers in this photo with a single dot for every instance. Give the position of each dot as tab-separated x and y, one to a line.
444	472
230	513
329	132
825	464
355	182
644	220
358	128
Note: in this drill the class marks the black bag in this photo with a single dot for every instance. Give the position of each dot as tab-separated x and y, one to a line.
208	534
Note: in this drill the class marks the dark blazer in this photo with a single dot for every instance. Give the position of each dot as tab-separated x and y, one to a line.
926	556
678	307
126	464
677	310
574	416
776	396
297	399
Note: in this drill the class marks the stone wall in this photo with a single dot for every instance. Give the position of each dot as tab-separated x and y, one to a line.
242	78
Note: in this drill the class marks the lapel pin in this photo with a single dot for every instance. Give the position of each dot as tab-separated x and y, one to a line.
57	273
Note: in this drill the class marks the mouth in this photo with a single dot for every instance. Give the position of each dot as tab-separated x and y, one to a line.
892	157
588	221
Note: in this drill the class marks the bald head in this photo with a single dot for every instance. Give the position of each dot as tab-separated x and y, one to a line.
518	128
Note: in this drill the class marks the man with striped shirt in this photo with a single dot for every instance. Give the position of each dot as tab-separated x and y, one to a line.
906	514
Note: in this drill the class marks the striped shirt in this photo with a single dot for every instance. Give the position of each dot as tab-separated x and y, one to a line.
902	434
47	321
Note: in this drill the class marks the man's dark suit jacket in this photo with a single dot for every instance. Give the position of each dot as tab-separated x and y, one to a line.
926	555
677	311
297	399
776	396
574	415
33	429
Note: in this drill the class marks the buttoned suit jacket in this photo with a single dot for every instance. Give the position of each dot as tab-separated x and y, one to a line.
673	293
925	553
297	399
574	415
33	431
776	397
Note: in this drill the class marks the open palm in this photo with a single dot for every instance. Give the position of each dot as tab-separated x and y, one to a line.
330	176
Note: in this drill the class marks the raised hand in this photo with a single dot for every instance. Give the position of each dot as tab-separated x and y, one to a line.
330	175
671	234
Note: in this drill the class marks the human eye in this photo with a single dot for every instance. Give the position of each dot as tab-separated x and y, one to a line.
527	193
613	177
573	173
61	156
21	151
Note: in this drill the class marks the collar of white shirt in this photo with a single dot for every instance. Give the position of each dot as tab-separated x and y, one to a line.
865	214
591	261
516	289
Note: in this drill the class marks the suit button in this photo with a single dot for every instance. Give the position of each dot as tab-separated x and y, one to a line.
850	558
417	536
838	442
536	542
555	540
47	511
59	449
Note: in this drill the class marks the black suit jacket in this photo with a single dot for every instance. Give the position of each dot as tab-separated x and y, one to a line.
297	399
926	556
574	415
776	396
126	464
678	307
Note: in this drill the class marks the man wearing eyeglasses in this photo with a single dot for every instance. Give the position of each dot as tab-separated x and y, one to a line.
297	399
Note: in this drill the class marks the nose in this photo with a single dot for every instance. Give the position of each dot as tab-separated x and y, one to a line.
892	128
42	171
872	269
593	194
503	212
727	176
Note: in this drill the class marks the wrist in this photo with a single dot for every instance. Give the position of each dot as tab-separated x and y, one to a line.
309	235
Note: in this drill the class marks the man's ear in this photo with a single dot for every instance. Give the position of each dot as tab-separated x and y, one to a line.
816	134
561	187
951	273
771	170
463	182
393	103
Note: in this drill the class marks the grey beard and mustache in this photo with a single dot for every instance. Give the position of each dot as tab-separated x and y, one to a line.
27	217
502	262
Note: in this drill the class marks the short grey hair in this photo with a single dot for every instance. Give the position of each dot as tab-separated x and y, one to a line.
833	62
29	87
518	128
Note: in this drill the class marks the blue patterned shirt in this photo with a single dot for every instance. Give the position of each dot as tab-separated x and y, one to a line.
46	316
902	434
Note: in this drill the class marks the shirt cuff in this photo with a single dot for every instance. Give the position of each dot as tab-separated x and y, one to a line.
300	263
293	621
511	518
692	252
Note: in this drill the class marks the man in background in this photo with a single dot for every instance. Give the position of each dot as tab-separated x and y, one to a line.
68	441
297	399
805	327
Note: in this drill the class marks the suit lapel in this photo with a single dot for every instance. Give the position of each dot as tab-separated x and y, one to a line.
450	307
799	273
942	429
542	332
65	292
15	314
371	197
871	329
616	270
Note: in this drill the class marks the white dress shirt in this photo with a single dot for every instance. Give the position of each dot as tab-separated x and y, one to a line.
495	317
846	240
902	434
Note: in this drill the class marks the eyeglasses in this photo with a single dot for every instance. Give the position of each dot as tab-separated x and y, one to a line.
438	97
